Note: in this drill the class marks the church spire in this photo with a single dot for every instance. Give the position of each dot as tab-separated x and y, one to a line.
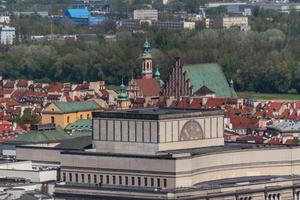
147	61
122	96
157	77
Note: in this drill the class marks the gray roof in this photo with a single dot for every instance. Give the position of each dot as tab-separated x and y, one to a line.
78	143
286	126
157	113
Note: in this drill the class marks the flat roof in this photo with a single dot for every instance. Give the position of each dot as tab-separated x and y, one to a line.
228	147
157	113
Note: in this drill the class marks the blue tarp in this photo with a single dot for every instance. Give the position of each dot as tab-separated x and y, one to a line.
82	16
78	13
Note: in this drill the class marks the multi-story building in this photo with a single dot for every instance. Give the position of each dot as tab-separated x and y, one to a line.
157	25
151	14
4	19
232	21
178	154
8	35
63	113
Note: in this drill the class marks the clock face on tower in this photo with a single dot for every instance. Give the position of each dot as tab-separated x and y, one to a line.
191	131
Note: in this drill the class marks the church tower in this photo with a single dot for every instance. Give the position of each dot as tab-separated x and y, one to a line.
123	101
147	61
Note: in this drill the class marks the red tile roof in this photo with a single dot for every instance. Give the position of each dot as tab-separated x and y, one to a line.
9	84
57	87
243	122
274	140
104	94
274	106
22	83
196	103
149	87
251	138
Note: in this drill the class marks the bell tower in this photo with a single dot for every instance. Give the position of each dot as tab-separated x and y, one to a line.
147	61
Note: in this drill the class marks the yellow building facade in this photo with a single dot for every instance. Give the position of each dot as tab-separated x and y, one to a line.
63	113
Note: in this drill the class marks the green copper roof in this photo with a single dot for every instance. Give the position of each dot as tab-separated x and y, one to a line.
77	106
147	51
122	95
157	74
147	45
82	127
210	75
80	124
43	136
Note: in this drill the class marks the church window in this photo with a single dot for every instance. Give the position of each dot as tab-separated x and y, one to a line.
132	181
107	179
120	180
152	182
126	180
139	181
145	181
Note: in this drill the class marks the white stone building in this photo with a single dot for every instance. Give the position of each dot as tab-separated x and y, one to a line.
8	35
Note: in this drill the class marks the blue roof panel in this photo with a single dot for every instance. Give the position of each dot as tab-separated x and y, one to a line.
78	13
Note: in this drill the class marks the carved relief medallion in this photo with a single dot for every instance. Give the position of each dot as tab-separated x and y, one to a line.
191	131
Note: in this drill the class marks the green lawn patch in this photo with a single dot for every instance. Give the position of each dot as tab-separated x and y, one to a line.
268	96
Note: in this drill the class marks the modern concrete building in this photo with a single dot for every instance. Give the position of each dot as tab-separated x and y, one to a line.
176	154
8	35
232	21
151	14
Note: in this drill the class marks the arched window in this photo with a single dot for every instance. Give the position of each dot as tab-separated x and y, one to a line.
88	116
68	119
80	116
52	120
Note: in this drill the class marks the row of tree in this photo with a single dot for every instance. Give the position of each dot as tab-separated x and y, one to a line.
265	59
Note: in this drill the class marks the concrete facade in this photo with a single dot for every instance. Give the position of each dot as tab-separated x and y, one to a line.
177	154
151	135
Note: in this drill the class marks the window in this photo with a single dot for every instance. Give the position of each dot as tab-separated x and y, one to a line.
152	182
145	181
107	179
165	182
52	120
126	180
95	178
120	180
80	116
101	178
76	178
132	181
139	181
68	119
158	182
114	180
70	177
89	178
82	178
64	177
88	116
